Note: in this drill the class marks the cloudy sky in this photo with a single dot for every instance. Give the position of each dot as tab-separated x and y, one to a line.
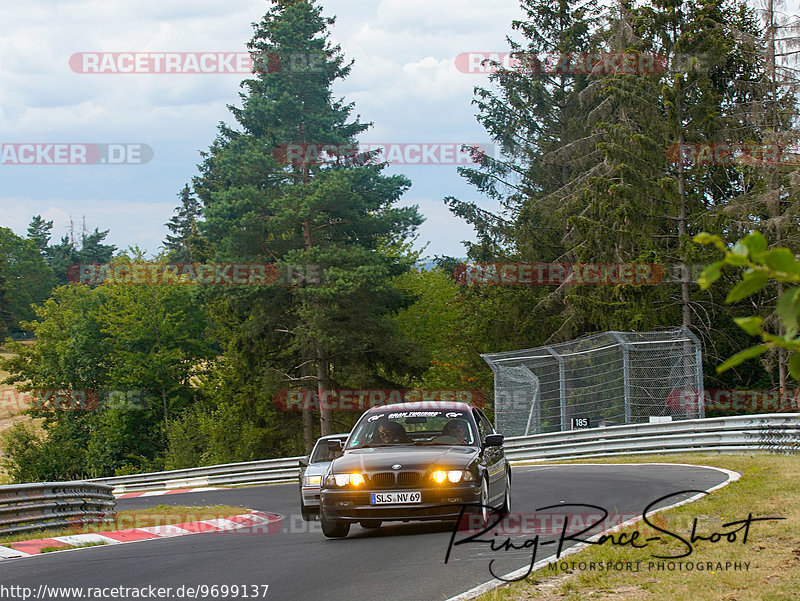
404	80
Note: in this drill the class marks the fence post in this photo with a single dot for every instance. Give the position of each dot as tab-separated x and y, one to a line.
698	372
626	373
562	386
535	406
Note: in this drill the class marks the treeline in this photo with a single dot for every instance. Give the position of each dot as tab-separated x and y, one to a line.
611	165
189	373
31	267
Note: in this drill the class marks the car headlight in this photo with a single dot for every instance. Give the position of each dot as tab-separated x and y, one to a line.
452	476
312	480
355	479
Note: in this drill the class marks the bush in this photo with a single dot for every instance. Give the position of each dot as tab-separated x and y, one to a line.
210	437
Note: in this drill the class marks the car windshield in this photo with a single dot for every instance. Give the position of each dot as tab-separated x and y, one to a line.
323	453
413	428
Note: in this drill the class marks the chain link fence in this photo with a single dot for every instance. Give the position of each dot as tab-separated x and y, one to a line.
600	380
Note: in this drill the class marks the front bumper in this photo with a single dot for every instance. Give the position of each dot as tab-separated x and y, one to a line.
310	496
440	503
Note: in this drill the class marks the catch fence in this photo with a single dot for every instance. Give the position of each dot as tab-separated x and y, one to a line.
605	379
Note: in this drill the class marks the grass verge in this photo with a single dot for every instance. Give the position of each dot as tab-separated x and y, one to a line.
769	486
51	549
162	515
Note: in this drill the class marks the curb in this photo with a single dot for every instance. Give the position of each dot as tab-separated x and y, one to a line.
156	493
256	522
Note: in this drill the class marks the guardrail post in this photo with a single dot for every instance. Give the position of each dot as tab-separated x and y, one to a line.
626	373
562	387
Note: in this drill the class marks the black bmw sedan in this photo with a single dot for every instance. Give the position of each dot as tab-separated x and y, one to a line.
416	461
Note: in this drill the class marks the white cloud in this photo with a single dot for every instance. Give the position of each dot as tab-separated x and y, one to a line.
404	80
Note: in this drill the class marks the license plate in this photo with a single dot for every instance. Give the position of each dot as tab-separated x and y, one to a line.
385	498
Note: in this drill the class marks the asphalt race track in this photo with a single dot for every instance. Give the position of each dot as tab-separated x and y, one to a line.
397	562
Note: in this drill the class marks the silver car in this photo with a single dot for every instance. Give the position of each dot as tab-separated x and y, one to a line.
315	466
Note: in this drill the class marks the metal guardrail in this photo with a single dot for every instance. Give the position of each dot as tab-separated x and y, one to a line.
778	432
26	507
267	471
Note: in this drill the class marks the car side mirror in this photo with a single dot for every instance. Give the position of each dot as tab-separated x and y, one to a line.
493	440
303	461
335	446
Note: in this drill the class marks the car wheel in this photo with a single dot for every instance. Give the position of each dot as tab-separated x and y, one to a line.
308	514
333	528
507	499
370	523
484	512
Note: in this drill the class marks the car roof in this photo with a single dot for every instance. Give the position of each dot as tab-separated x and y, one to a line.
423	406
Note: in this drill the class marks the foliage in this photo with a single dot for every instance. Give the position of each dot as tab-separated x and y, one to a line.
137	346
761	265
25	279
211	437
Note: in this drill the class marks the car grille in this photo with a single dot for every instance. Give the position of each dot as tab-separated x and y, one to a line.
387	479
408	478
383	479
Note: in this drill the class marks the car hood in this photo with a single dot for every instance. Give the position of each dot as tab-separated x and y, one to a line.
410	458
317	469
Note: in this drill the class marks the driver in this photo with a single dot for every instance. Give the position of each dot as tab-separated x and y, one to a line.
458	429
390	432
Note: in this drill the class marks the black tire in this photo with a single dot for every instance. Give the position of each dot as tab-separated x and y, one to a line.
370	523
308	514
333	528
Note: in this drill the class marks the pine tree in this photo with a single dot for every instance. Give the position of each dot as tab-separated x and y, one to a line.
39	231
537	120
770	200
261	207
186	245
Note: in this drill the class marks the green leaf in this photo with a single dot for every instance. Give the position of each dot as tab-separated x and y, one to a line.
710	275
788	308
752	281
740	248
781	259
750	353
751	325
736	260
706	238
794	366
793	344
756	243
